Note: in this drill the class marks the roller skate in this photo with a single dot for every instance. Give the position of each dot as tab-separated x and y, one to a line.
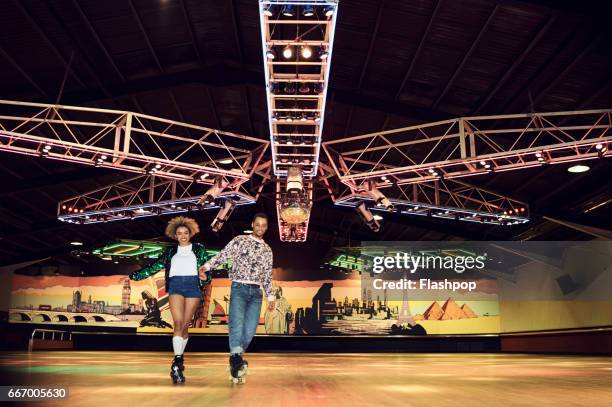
237	369
176	370
244	368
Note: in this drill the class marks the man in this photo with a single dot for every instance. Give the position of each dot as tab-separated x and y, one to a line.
251	269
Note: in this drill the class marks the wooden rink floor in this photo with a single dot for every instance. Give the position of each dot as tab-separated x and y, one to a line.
115	379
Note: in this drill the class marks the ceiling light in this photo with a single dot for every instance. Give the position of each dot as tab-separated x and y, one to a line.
288	11
270	54
267	10
287	52
578	168
76	243
323	54
306	52
226	161
598	146
378	217
294	212
248	231
308	11
289	88
329	11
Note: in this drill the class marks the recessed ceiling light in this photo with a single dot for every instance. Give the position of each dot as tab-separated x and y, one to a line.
578	168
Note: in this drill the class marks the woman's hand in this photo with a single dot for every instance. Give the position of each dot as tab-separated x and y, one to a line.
202	271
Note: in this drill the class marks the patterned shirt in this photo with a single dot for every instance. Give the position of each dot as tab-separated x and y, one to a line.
251	261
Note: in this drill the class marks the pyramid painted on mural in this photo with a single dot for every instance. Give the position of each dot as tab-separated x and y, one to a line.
468	311
452	310
433	312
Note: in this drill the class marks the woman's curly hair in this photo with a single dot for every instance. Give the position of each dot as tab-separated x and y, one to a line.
179	221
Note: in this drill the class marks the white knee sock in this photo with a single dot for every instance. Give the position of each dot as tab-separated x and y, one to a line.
177	345
184	344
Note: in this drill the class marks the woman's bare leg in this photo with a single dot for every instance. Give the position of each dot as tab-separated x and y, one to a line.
191	304
177	309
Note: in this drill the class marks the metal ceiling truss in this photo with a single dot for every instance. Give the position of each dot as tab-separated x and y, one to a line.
181	166
128	141
297	39
146	195
478	145
446	199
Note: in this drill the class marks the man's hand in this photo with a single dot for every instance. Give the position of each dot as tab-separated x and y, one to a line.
271	305
202	271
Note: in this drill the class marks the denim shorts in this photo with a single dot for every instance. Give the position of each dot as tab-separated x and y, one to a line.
187	286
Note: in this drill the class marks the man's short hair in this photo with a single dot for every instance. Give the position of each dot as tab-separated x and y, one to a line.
260	215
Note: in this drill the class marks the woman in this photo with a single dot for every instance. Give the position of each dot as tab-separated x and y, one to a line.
181	264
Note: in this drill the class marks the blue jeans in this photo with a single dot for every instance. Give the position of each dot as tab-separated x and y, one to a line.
244	310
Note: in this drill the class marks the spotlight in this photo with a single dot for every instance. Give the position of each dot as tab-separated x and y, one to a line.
578	168
367	217
267	10
287	52
47	147
598	146
214	191
76	243
304	88
270	54
303	118
226	161
289	88
323	54
203	176
288	11
318	87
294	180
308	11
317	119
380	199
329	11
223	215
306	52
157	166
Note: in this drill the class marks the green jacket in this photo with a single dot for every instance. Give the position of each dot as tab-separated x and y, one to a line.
163	262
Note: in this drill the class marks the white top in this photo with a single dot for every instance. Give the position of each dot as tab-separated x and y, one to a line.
184	262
